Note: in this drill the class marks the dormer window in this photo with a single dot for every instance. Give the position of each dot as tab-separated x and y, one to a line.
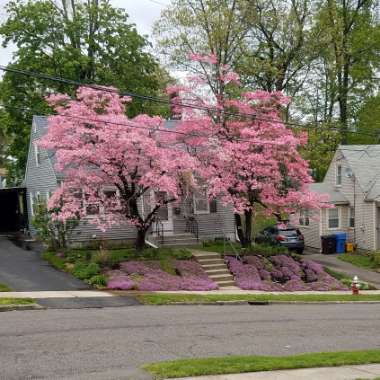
338	176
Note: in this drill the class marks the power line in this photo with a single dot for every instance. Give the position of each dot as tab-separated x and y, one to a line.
143	97
185	134
167	102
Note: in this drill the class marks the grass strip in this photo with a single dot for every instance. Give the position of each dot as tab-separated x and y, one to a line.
16	301
168	298
241	364
359	260
4	288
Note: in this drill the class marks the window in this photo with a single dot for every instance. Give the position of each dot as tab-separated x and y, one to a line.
92	208
31	197
338	179
201	202
304	218
213	206
333	218
37	154
352	217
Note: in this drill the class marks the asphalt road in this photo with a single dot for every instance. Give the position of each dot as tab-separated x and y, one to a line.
111	343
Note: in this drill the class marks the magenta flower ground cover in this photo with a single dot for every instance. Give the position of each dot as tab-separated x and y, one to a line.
148	276
281	273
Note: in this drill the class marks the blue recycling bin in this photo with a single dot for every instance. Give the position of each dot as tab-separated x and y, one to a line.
341	238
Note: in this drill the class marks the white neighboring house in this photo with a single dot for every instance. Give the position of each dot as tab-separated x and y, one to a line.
353	184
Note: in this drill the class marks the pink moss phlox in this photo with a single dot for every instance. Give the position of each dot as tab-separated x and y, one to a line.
120	283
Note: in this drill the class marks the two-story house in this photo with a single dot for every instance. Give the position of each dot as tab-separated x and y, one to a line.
353	184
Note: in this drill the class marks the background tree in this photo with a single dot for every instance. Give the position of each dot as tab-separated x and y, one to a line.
88	41
349	36
111	163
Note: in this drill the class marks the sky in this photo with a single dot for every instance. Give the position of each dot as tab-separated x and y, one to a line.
143	13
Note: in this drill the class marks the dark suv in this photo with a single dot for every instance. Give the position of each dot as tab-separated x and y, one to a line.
288	236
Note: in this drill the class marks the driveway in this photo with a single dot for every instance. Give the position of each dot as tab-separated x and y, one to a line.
350	270
112	343
25	271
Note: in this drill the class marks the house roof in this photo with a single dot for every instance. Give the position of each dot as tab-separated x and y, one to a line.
364	161
335	196
41	123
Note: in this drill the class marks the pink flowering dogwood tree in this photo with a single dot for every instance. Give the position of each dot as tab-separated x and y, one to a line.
116	169
252	160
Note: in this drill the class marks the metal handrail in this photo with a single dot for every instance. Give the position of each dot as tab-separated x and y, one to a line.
158	228
192	226
225	239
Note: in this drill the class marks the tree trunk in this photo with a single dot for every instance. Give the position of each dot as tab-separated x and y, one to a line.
140	239
248	228
239	228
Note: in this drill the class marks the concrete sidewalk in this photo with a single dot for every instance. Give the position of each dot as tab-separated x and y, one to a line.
118	293
354	372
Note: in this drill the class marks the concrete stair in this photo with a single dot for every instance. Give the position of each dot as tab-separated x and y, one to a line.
215	267
174	240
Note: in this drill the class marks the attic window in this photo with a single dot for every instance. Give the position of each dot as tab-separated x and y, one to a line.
338	178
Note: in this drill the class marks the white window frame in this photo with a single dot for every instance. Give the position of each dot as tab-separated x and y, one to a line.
102	210
351	216
338	175
200	212
86	204
37	155
31	199
339	218
304	219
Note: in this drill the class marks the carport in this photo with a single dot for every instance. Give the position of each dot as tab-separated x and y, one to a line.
13	212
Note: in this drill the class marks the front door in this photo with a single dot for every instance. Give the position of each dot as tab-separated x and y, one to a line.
165	213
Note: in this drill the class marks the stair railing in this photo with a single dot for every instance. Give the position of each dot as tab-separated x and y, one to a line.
192	226
158	228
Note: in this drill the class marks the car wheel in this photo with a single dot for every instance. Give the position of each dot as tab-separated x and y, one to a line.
299	251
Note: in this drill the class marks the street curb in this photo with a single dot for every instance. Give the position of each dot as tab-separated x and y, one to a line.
33	306
263	303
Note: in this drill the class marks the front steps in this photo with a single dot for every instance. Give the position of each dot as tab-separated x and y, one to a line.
215	267
175	240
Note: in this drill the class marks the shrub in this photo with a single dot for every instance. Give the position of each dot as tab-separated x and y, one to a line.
54	260
103	258
85	271
98	280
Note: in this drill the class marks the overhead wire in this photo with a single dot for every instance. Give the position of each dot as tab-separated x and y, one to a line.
168	102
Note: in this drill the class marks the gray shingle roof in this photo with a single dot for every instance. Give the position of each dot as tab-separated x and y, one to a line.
336	197
364	161
42	125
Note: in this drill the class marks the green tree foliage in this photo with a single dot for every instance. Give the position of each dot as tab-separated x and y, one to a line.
88	41
348	32
322	143
368	123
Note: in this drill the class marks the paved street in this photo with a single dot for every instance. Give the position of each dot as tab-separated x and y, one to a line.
111	343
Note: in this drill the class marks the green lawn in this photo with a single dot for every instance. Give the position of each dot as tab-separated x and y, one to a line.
16	301
241	364
4	288
359	260
171	298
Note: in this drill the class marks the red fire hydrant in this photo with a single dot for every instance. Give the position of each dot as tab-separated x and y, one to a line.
355	286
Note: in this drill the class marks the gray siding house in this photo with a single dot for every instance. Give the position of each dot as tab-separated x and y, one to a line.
353	184
209	220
